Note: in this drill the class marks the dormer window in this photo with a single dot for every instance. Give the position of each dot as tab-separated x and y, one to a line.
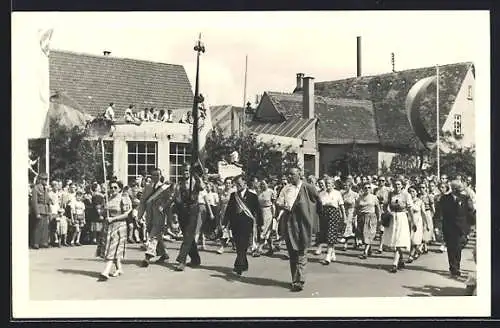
469	92
457	124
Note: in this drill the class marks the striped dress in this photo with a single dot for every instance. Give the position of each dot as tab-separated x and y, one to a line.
115	233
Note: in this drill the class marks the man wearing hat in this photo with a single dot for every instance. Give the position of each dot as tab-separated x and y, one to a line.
458	215
40	206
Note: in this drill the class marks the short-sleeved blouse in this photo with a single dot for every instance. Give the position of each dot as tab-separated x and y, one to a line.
266	198
332	198
115	205
350	198
400	202
428	201
366	204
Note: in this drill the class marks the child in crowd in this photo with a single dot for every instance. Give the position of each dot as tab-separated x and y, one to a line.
174	230
132	222
77	218
61	227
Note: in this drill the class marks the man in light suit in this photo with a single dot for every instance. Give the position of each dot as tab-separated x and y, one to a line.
40	207
155	202
242	212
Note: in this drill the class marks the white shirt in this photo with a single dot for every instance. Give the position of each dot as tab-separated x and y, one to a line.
243	192
288	195
332	198
110	113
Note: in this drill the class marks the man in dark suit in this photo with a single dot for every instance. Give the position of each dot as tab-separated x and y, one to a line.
186	207
40	207
458	214
242	211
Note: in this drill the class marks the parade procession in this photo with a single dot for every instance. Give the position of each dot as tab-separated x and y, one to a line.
336	188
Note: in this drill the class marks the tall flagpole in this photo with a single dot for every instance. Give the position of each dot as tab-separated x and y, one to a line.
199	48
245	94
437	124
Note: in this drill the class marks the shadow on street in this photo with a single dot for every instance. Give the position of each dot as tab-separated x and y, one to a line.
428	290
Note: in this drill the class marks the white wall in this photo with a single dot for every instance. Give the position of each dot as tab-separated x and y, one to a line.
464	107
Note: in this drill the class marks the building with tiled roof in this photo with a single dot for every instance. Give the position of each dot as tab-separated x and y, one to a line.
370	111
89	83
227	118
95	81
388	93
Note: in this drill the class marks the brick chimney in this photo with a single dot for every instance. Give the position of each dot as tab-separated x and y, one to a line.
299	88
308	98
106	53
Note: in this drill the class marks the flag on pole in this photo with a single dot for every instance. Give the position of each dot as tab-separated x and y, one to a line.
31	78
204	129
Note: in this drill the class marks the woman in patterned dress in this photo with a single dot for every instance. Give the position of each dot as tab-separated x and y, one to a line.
115	227
266	196
416	225
397	234
368	212
333	214
224	196
350	198
428	225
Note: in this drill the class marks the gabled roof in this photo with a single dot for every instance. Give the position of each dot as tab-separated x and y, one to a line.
221	116
95	81
290	128
340	120
388	94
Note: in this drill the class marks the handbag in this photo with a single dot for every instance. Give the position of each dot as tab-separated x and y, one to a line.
386	219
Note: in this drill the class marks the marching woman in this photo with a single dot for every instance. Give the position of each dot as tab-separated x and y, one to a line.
367	210
350	198
266	196
322	225
115	228
333	213
397	233
428	226
417	225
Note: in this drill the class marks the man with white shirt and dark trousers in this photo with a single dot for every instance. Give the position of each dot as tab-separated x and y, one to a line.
300	205
242	212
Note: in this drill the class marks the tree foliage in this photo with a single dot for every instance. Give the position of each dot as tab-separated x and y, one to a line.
259	159
73	156
355	161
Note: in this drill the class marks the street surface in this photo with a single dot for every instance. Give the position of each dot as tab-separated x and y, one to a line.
70	273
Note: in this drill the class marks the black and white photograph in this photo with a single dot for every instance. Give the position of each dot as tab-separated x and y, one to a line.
250	164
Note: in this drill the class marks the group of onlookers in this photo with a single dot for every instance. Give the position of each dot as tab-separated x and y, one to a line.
151	115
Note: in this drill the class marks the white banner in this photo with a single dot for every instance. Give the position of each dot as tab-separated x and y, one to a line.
30	77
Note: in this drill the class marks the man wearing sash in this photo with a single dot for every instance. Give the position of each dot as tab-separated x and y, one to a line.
299	206
155	202
242	212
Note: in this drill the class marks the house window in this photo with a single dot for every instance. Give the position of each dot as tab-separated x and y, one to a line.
108	156
457	124
469	92
142	158
180	153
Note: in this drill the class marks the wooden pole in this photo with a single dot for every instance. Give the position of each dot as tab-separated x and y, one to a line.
245	95
105	175
438	144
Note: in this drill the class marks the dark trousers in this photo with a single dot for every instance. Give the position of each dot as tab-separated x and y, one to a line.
298	262
242	228
188	219
454	246
41	231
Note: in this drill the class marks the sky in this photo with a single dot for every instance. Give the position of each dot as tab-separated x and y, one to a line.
278	44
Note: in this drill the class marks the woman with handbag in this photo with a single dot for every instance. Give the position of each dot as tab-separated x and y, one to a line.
368	212
397	232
